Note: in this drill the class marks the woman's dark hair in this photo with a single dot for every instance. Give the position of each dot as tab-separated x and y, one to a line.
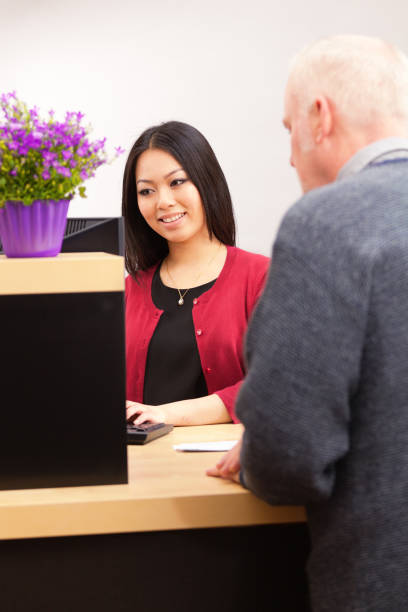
143	246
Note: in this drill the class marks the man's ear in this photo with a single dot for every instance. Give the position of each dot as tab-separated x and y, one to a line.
321	119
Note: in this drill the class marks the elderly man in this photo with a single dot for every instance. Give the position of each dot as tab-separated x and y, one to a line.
325	402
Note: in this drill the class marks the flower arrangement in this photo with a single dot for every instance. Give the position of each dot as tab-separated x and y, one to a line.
44	159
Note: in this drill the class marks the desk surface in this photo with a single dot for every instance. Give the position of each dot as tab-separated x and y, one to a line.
66	273
167	489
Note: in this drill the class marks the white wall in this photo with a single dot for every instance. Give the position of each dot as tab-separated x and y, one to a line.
217	64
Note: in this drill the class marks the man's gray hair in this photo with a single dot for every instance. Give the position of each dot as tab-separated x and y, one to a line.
365	78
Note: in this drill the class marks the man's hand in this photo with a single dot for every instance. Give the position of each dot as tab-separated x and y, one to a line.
229	466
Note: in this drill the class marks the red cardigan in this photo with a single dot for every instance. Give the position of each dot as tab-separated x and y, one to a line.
220	317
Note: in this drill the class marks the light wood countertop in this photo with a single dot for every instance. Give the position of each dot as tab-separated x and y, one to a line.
167	490
66	273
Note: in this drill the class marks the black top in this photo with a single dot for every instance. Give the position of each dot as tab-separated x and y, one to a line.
173	366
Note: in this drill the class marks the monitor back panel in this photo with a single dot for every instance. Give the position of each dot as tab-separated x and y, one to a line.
87	235
62	390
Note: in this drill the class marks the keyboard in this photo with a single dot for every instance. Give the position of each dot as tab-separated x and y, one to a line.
146	432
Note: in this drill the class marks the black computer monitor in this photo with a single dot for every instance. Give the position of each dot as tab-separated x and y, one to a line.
97	234
89	235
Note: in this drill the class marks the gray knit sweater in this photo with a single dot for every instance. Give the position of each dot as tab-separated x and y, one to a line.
325	402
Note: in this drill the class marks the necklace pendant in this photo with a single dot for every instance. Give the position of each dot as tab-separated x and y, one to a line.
181	301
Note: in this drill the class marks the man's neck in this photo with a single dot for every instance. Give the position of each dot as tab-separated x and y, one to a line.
349	140
385	148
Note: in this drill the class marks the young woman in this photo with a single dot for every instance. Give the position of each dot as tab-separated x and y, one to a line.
190	291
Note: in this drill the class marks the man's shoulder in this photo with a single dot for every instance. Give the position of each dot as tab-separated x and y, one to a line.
353	206
315	215
321	203
350	225
353	194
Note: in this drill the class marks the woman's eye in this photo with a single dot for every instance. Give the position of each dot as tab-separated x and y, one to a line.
145	192
176	182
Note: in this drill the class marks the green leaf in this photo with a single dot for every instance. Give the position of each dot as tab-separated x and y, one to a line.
82	192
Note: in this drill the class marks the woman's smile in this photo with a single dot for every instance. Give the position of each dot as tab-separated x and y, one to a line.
172	219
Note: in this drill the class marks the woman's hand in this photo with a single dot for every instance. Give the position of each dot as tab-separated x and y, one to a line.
199	411
140	413
229	465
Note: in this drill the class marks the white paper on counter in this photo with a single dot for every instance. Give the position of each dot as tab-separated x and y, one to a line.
225	445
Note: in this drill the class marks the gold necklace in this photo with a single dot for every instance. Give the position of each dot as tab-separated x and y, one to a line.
180	301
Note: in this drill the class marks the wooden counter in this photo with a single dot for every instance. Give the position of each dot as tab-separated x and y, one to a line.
66	273
167	490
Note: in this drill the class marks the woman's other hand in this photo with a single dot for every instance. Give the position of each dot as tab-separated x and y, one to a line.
140	413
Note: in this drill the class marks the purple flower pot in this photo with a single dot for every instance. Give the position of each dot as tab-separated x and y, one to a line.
36	230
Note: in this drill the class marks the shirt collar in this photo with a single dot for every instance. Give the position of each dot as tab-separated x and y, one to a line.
391	148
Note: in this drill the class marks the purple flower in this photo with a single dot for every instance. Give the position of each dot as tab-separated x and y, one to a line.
98	145
63	171
48	157
76	139
82	151
47	149
15	125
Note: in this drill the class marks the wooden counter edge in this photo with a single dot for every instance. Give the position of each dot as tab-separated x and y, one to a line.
66	273
138	515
